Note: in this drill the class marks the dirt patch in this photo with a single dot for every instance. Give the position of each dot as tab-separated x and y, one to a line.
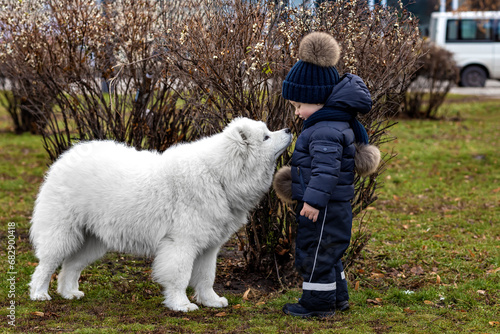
232	275
378	327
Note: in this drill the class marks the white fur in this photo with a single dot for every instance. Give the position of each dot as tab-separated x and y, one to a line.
180	207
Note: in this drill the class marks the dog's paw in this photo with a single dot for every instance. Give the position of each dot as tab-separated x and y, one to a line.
72	294
216	302
40	296
182	307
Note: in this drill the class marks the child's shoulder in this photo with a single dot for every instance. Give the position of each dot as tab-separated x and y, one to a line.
334	131
329	126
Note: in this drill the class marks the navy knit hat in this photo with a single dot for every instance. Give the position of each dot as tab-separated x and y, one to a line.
313	77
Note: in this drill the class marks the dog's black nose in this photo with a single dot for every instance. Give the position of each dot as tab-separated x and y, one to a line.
287	130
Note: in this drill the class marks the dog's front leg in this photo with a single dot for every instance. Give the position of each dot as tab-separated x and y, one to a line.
203	276
172	268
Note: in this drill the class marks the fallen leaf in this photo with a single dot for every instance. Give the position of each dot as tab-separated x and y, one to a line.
408	310
481	292
356	286
38	314
406	227
377	275
237	306
494	323
221	314
245	295
379	300
187	319
428	302
260	303
373	301
281	251
471	254
492	271
438	279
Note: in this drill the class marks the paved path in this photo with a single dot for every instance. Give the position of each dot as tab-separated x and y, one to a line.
492	89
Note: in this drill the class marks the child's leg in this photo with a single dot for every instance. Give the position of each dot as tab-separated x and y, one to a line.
320	246
342	292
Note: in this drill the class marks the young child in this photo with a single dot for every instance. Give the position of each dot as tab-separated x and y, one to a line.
322	170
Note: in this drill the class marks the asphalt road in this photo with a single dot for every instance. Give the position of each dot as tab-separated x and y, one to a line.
492	89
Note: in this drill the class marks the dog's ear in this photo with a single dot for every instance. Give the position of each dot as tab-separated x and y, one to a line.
243	135
239	135
241	132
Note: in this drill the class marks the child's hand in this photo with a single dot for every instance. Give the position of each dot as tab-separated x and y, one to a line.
309	212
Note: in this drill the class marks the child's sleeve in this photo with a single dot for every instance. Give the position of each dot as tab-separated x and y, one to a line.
326	153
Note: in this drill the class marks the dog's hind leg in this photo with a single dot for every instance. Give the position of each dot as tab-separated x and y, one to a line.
172	268
67	281
51	249
203	277
40	280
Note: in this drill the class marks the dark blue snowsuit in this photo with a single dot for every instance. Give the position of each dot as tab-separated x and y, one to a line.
323	176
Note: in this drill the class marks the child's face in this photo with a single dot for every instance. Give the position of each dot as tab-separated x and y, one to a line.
304	110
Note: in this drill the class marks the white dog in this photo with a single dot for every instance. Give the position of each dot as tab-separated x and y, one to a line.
180	206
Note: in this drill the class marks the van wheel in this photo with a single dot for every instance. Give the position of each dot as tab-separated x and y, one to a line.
473	76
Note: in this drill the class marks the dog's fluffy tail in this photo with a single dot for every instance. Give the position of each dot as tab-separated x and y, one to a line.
282	184
367	159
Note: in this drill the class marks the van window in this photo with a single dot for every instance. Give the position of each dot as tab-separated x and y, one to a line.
469	30
452	30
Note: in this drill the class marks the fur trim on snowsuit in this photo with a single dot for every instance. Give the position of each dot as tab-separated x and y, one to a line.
282	184
367	159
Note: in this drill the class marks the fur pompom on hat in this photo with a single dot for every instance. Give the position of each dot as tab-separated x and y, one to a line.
282	184
313	77
319	48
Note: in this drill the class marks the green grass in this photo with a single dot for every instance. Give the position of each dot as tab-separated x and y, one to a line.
431	266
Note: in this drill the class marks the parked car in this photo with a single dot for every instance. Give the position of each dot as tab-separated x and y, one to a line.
474	40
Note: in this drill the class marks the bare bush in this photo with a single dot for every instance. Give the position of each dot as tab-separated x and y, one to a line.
26	103
431	83
233	54
182	70
75	51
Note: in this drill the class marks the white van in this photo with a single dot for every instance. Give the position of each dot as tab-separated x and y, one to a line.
474	39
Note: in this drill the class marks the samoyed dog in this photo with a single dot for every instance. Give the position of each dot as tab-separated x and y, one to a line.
179	206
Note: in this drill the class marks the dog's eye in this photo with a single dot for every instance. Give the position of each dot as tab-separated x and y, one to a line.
266	137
